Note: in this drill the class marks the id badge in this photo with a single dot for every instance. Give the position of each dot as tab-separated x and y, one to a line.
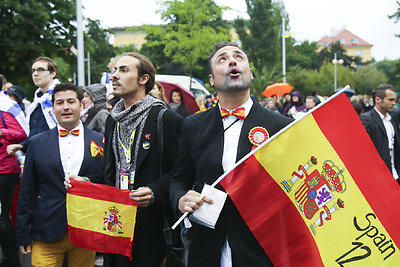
131	180
124	176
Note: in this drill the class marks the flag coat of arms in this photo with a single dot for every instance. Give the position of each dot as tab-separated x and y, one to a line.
318	194
100	218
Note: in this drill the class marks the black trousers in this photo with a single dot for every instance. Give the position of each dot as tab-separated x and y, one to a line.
7	231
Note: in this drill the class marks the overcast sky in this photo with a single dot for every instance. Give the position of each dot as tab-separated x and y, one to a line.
309	19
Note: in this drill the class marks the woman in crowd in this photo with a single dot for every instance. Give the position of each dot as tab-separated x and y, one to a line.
177	104
95	113
11	132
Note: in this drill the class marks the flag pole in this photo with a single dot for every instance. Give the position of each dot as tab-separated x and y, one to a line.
261	146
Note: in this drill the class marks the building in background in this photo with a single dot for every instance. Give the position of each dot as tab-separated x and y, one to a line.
354	45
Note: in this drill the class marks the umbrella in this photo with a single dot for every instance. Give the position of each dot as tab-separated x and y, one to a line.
278	89
188	96
348	92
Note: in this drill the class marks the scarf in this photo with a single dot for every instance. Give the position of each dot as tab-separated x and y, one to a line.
130	119
174	106
45	103
12	107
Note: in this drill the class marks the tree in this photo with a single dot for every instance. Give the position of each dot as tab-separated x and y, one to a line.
327	54
391	68
396	15
194	26
302	54
32	28
260	35
96	42
367	78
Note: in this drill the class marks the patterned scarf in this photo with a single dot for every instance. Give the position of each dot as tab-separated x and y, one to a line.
12	107
130	119
45	103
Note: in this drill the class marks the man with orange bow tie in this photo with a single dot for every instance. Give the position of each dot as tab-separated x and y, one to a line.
67	149
211	143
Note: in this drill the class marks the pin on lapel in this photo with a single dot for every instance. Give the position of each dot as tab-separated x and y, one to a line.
146	145
147	136
258	135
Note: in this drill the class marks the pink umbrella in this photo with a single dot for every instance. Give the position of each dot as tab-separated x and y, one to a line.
188	97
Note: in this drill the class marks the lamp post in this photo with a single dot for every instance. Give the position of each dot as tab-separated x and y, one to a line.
284	36
335	61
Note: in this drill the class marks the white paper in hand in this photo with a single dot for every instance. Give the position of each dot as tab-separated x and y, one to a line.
208	214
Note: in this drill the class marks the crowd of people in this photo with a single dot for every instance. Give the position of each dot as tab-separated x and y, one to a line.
153	147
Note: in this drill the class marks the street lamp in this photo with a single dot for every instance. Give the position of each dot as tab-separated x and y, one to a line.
335	61
284	36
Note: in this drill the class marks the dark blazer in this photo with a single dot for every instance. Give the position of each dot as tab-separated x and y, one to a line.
41	212
373	124
199	162
149	247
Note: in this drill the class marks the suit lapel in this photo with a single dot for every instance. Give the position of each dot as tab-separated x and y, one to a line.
147	140
378	121
86	151
54	149
244	146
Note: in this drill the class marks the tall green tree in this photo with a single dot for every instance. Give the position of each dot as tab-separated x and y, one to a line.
32	28
367	78
260	35
194	26
396	15
96	42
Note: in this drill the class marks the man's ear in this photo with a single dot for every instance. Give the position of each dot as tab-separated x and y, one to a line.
143	80
53	74
211	79
251	73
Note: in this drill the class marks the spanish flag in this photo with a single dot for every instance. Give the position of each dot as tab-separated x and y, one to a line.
318	193
100	218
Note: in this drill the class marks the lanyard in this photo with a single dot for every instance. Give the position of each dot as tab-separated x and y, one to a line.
127	152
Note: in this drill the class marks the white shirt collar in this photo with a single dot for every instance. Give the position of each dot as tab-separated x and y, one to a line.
388	117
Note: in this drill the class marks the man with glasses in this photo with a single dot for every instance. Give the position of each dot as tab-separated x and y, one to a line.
39	114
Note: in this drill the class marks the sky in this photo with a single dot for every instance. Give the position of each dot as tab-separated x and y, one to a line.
308	19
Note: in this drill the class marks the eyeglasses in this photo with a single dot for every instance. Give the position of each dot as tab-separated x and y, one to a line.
39	70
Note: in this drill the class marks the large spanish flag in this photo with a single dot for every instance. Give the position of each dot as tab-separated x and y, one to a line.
318	193
100	218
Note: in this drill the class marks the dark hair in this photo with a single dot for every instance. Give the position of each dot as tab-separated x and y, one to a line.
380	91
217	47
311	97
51	64
63	87
145	67
173	91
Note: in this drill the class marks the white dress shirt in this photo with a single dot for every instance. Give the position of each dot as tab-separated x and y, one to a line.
390	136
71	150
231	142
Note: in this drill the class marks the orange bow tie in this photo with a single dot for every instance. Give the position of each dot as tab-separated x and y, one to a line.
64	133
238	113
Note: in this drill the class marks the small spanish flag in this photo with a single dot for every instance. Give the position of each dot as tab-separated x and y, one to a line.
100	217
96	150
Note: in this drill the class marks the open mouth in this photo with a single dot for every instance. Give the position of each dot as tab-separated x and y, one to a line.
234	72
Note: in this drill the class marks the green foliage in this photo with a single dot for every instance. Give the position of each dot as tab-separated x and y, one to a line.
32	28
302	54
327	54
96	42
264	77
396	15
391	68
260	35
367	78
194	27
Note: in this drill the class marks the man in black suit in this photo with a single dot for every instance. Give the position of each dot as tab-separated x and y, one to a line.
211	142
141	148
382	128
52	155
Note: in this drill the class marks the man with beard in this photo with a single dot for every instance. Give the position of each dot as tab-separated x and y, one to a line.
211	143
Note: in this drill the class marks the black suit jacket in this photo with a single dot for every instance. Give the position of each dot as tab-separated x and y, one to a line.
41	212
199	162
149	247
373	124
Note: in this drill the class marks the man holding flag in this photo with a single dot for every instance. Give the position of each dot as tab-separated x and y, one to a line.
67	149
211	143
